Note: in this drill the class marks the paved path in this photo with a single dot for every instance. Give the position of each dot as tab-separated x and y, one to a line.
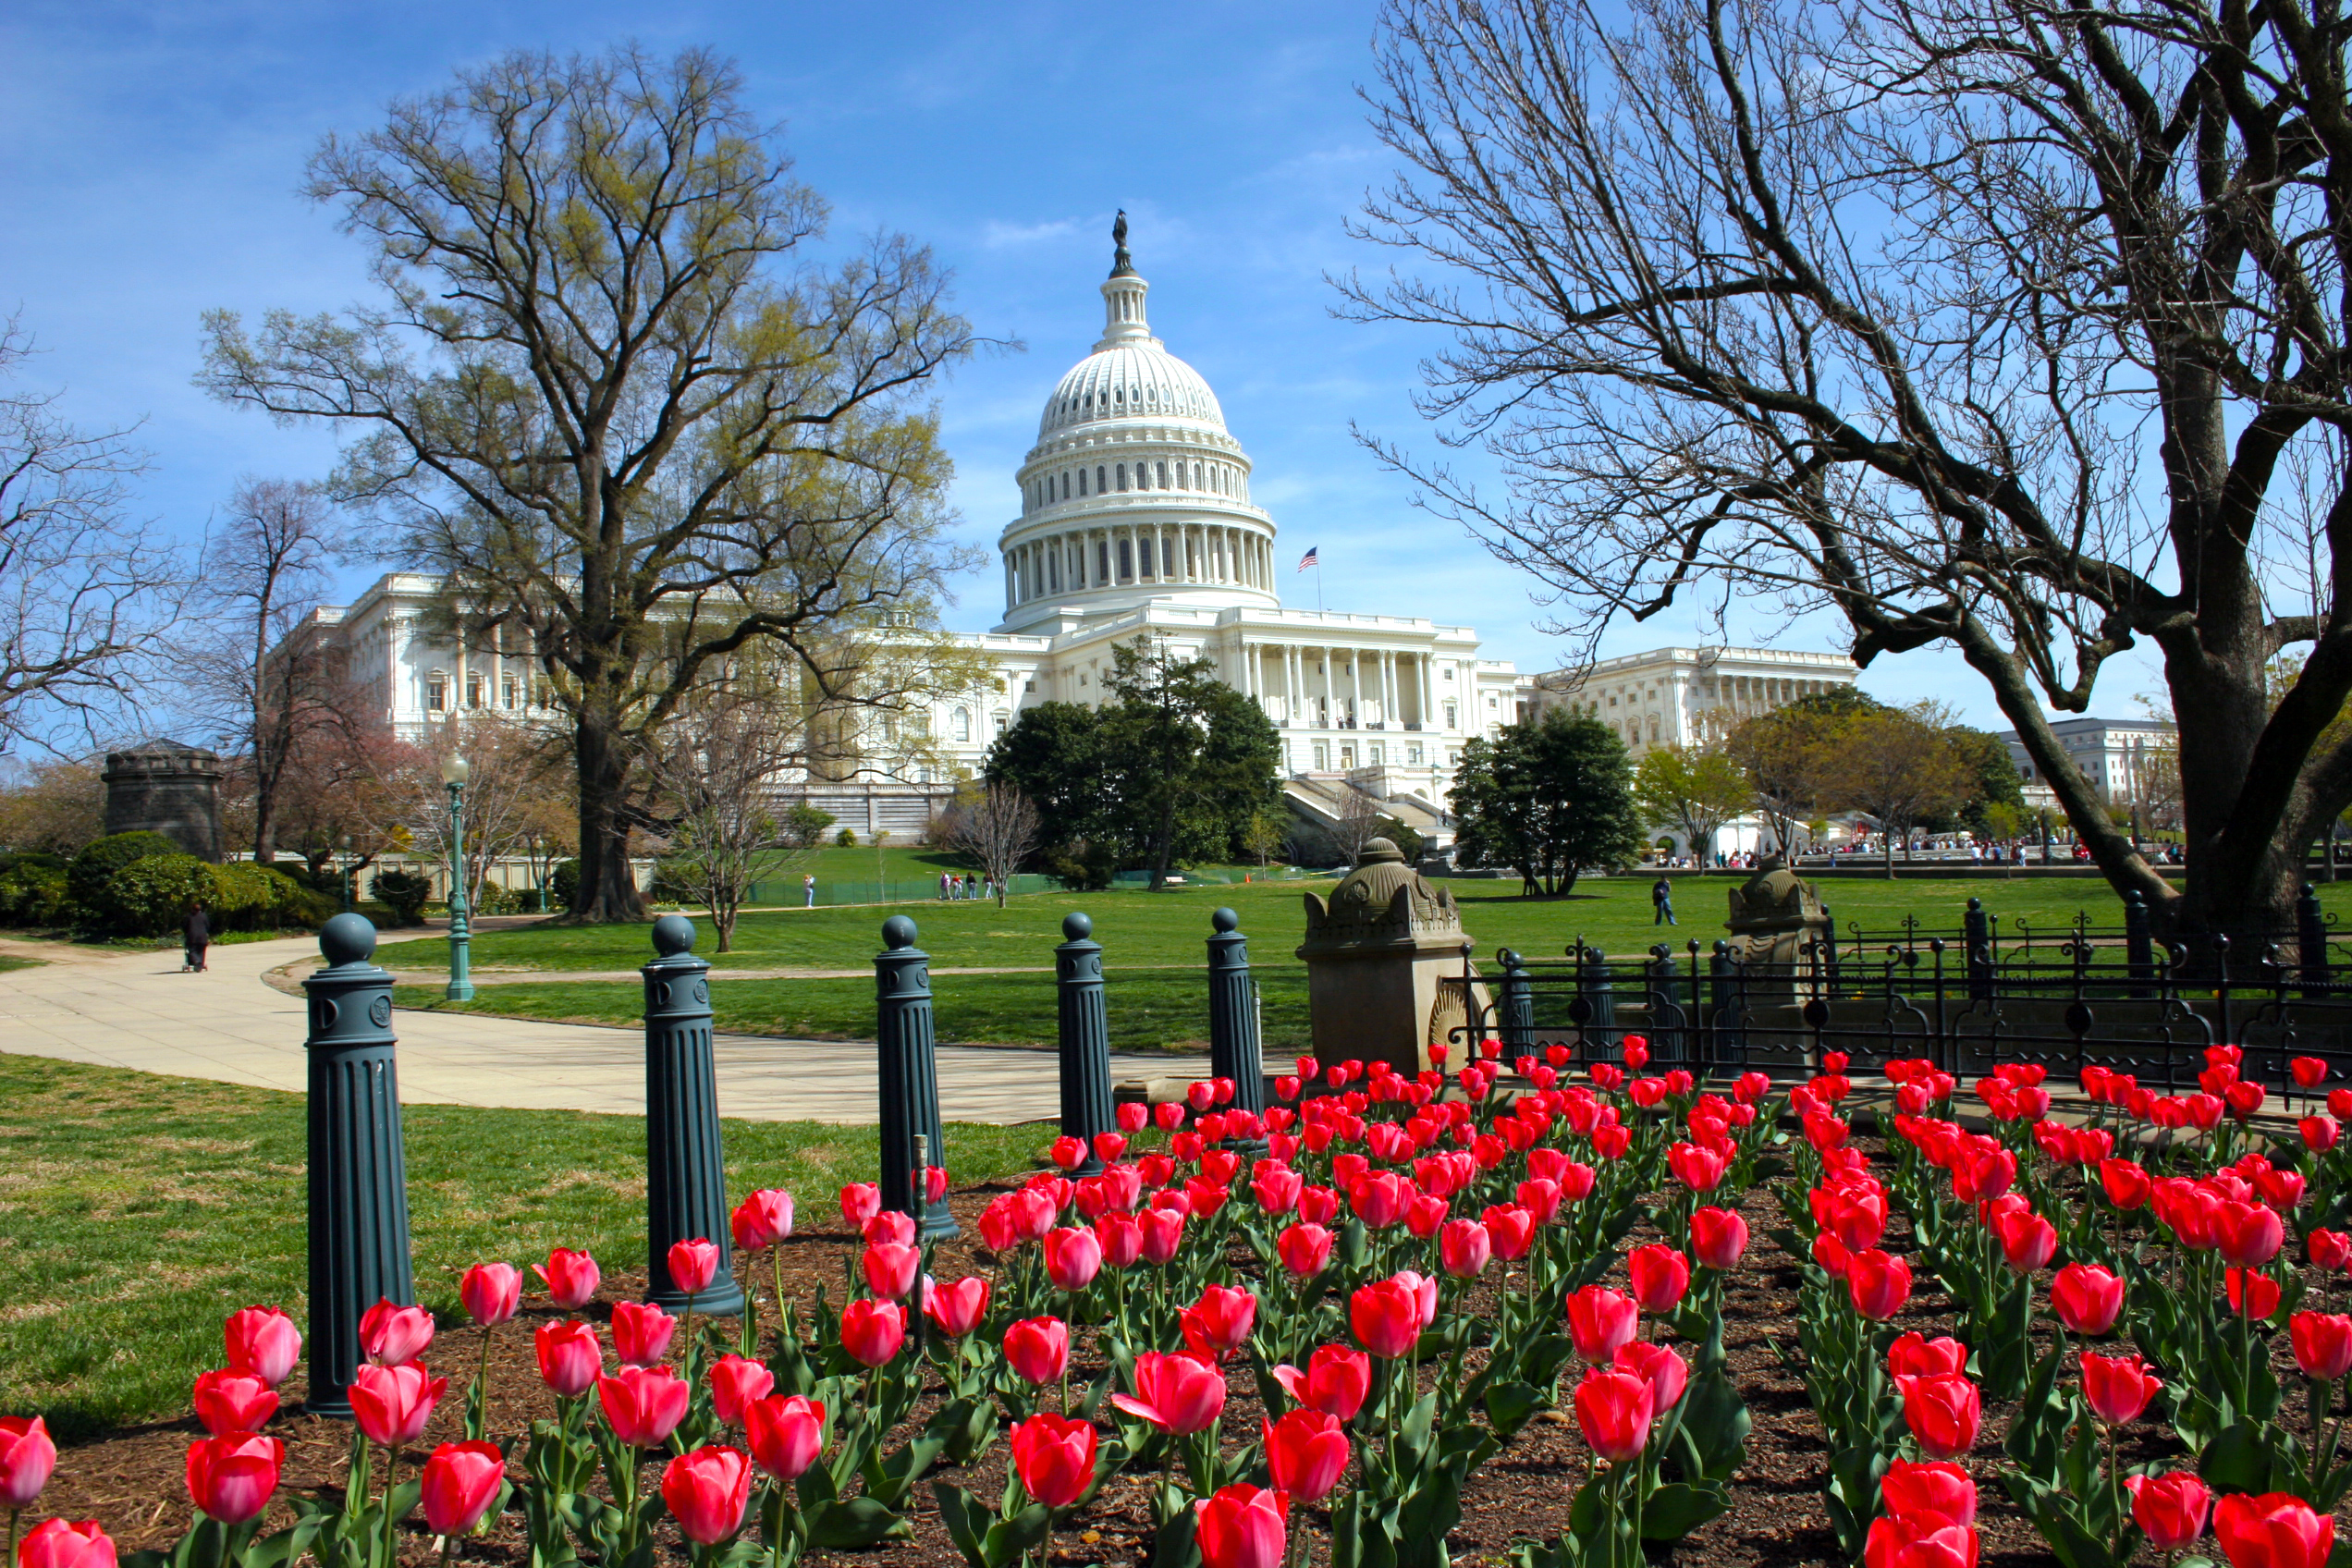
136	1011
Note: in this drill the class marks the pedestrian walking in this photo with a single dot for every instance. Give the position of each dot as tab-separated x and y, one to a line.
808	890
195	935
944	882
1662	899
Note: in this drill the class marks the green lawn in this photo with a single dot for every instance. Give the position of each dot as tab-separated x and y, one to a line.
1154	952
7	963
136	1210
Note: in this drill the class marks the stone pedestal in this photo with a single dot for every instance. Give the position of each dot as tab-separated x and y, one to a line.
1375	954
1778	919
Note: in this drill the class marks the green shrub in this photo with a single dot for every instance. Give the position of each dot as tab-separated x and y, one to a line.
846	839
565	880
32	895
151	895
405	891
86	878
496	900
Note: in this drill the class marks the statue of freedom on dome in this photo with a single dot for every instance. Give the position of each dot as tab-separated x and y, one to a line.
1121	264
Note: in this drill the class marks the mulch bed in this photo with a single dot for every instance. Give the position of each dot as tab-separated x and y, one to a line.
131	1479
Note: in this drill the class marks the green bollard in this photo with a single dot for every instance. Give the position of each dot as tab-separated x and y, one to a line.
908	1076
685	1171
1082	1035
358	1182
1232	1022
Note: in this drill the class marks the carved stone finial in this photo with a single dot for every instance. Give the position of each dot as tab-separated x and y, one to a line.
1121	264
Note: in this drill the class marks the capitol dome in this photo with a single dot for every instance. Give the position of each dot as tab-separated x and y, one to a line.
1135	491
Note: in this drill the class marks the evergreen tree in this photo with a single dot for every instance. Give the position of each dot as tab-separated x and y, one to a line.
1549	797
1189	761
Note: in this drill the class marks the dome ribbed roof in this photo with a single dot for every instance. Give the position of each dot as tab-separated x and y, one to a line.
1130	380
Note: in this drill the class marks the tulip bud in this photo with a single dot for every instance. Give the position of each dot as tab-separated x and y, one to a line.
2170	1509
28	1458
490	1294
460	1483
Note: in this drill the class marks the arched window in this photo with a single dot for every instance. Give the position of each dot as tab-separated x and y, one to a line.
1163	476
1102	560
1081	482
1126	560
1065	484
963	724
1100	474
1123	477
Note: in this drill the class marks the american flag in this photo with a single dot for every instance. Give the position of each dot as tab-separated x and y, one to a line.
1308	560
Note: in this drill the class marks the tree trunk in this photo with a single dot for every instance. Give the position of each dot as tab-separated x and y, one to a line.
265	824
607	885
1886	847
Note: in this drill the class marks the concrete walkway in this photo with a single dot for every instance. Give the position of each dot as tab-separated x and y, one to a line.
136	1011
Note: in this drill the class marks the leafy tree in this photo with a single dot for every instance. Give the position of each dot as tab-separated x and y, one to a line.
1549	797
804	824
1902	767
1191	760
612	400
1698	789
1994	775
1053	756
1405	837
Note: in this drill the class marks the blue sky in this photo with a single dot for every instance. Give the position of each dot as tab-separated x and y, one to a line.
153	151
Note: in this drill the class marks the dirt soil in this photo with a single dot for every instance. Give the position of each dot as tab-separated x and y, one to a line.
132	1480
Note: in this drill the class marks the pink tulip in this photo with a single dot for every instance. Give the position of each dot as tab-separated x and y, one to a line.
643	1405
642	1333
262	1341
956	1309
231	1479
1241	1526
787	1433
391	1405
572	1278
27	1459
707	1492
1179	1393
890	1269
491	1293
54	1543
762	1219
1073	1257
392	1335
460	1483
233	1402
693	1265
734	1382
571	1358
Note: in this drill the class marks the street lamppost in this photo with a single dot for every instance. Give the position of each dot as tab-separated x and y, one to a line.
453	774
343	854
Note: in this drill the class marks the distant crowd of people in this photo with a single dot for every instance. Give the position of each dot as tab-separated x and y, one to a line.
954	886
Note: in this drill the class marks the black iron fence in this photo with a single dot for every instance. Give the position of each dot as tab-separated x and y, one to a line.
1966	998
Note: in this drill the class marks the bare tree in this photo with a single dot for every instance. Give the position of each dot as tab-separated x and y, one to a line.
1356	824
1781	754
271	678
634	434
514	774
1984	324
87	593
53	807
998	828
716	775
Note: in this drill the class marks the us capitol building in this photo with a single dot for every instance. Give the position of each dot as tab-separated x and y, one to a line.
1135	520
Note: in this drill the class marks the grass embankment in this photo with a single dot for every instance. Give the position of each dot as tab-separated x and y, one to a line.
136	1210
1154	953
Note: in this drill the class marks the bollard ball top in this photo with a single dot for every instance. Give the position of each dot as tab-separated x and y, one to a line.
348	938
897	932
1076	927
1224	920
673	934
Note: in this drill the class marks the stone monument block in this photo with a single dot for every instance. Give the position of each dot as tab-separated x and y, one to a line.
1375	954
165	787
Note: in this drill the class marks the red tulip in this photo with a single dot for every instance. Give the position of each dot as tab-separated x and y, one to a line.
1386	1317
54	1543
1306	1452
643	1405
2275	1530
693	1263
1918	1540
232	1402
1717	1237
2117	1388
1945	1410
1219	1323
391	1405
2027	1240
641	1333
1660	1277
1511	1231
2323	1344
1878	1283
1054	1455
2260	1299
706	1492
2248	1234
461	1482
27	1459
1176	1393
1700	1169
1662	1366
570	1359
1038	1349
2087	1298
262	1341
490	1294
1856	1217
2310	1071
890	1269
762	1219
572	1278
393	1335
1935	1487
735	1381
2170	1508
1336	1380
1911	1355
2319	1132
1305	1248
1600	1320
888	1226
1241	1526
2328	1249
787	1433
1163	1231
861	1201
1614	1410
1464	1248
231	1479
2126	1184
872	1330
955	1310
